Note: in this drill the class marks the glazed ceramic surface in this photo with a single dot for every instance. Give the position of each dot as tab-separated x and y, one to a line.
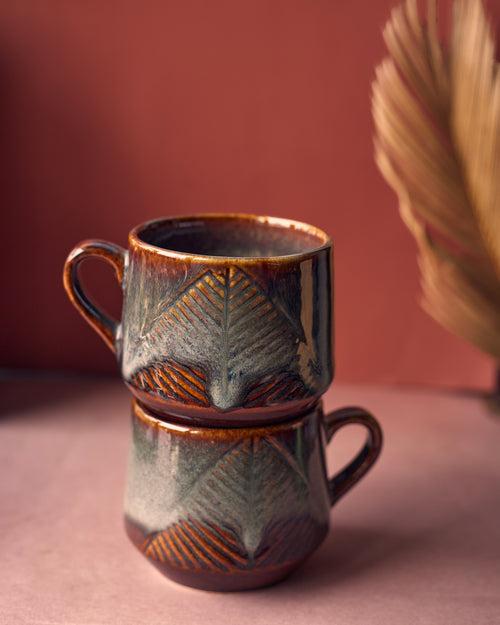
235	508
225	317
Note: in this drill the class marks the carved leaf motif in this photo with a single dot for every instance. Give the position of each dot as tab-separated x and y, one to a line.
192	545
224	324
174	380
255	490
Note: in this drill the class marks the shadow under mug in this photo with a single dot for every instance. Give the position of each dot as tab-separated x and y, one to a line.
236	508
226	317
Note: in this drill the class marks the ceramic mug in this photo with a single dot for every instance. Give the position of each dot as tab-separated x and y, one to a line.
224	508
225	316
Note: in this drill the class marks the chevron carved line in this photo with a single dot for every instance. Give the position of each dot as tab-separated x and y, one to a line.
275	388
249	508
197	546
175	381
218	339
192	545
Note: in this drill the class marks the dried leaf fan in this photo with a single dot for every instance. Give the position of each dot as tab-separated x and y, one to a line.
437	144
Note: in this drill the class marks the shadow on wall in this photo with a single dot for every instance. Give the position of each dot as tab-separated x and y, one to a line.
64	170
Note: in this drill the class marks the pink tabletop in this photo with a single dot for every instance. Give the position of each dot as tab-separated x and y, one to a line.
418	541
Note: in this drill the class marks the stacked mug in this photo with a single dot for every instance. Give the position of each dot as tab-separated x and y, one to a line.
225	345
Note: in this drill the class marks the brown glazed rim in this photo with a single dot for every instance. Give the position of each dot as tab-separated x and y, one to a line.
324	240
217	431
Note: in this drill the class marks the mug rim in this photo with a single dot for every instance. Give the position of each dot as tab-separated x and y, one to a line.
325	242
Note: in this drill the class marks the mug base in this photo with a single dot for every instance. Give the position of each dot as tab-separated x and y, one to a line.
229	582
233	581
176	412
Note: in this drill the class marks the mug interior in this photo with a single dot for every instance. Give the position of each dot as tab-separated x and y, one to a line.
233	236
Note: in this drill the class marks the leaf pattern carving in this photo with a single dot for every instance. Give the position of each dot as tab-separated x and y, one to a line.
246	509
192	545
224	324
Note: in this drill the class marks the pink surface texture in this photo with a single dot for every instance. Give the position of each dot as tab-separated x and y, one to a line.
416	542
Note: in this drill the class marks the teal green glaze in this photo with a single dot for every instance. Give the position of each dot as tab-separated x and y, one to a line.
234	508
225	317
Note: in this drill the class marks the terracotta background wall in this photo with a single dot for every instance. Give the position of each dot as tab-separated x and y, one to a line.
117	112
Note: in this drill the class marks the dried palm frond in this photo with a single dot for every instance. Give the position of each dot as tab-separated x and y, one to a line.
437	121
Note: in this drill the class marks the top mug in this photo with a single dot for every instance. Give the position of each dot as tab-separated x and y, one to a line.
226	317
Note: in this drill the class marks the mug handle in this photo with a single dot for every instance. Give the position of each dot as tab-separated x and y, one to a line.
345	479
114	255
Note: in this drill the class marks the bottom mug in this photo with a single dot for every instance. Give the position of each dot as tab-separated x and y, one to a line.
236	508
